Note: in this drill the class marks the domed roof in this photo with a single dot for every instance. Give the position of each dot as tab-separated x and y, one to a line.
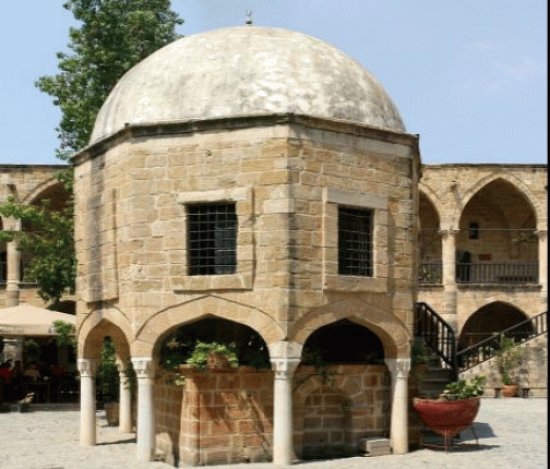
246	71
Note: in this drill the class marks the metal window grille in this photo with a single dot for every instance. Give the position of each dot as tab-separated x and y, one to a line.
212	239
355	241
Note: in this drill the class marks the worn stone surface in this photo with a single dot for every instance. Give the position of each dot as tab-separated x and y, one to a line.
130	234
227	416
246	71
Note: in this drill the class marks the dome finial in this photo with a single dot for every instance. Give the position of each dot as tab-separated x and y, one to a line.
248	17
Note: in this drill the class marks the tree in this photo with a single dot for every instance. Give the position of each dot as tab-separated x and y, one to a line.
113	36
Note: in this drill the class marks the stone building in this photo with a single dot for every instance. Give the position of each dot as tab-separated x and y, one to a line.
30	184
257	186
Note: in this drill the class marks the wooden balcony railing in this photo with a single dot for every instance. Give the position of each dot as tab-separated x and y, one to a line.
503	273
430	273
498	273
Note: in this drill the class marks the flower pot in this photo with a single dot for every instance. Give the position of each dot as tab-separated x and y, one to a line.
217	361
445	417
111	413
510	390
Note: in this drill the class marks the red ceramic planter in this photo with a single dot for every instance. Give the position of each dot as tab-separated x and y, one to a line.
447	418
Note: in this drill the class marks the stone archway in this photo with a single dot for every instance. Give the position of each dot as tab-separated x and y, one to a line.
393	334
147	337
497	241
490	319
108	324
429	242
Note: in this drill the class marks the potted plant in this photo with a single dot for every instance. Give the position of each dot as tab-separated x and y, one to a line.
107	383
213	356
420	356
454	410
508	359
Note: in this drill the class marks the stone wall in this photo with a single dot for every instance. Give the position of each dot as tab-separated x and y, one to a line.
287	182
226	417
334	408
448	192
533	372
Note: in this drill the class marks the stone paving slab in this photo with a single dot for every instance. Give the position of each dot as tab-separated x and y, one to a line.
512	435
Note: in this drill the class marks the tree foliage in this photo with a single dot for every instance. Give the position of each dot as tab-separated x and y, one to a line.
49	243
114	35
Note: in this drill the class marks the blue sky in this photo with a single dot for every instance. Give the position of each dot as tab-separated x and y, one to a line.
469	76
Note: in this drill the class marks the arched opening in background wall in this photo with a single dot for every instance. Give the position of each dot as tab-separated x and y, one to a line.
177	346
429	242
343	376
490	319
3	259
54	198
213	414
107	343
497	242
343	342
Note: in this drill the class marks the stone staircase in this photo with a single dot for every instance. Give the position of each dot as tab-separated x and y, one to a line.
433	380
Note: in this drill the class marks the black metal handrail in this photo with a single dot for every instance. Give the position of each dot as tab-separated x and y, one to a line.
486	349
437	335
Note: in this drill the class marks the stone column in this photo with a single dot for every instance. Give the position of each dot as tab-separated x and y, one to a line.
13	349
399	425
13	274
448	248
125	400
285	358
145	371
87	369
543	267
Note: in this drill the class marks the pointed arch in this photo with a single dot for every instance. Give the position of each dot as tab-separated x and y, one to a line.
517	184
491	318
167	319
100	323
394	335
41	188
433	198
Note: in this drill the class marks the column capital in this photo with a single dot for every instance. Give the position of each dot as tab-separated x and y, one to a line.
285	349
448	232
122	366
12	224
87	366
144	367
399	367
284	368
285	357
541	234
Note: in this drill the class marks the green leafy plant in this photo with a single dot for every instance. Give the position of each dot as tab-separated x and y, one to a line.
419	353
107	373
65	333
463	389
203	350
31	350
508	358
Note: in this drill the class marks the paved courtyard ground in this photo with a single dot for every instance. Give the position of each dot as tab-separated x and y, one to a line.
513	435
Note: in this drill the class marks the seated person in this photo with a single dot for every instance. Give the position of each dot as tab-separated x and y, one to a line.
32	371
5	371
